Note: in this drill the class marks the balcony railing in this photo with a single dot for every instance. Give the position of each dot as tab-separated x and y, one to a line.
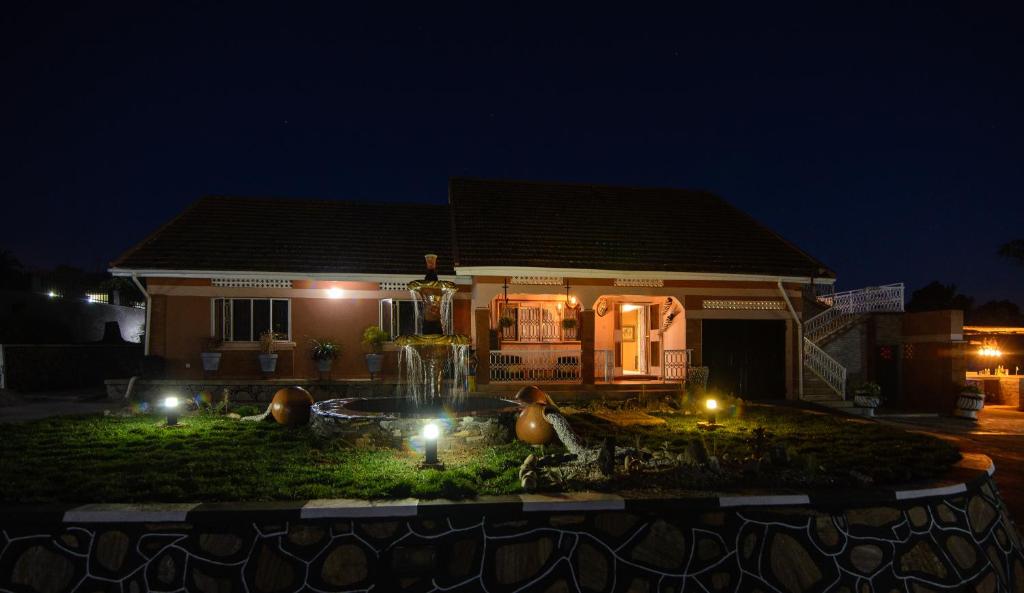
675	364
541	366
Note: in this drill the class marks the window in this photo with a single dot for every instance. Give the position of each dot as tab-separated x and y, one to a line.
398	317
534	321
243	320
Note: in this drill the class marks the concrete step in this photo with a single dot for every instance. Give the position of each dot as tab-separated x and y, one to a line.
846	407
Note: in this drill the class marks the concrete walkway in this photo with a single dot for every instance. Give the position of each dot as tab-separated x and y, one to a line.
998	433
22	407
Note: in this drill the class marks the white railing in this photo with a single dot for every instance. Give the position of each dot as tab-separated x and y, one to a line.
873	299
541	366
826	367
675	363
604	365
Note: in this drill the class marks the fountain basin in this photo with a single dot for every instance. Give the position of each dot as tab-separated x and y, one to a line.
467	422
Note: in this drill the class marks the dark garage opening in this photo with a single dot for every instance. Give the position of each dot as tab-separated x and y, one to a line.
745	358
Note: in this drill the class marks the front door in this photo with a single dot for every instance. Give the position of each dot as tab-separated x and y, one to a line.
634	339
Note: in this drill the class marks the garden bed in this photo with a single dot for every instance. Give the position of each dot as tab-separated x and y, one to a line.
136	458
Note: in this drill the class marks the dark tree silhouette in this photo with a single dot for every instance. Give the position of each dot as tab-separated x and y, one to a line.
12	273
996	313
1014	250
938	296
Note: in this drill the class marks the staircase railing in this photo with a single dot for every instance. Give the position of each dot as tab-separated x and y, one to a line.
873	299
826	367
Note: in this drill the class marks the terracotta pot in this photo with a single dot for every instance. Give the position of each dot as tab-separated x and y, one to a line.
534	395
290	406
532	428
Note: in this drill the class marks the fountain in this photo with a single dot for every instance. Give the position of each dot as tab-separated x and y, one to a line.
426	358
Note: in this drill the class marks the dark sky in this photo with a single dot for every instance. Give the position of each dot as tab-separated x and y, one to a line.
887	139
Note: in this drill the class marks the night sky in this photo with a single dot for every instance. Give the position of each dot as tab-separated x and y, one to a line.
886	141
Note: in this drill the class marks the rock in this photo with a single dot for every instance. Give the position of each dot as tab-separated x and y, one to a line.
462	561
791	564
273	571
208	584
962	551
664	546
529	481
345	565
305	534
615	524
111	549
220	544
981	514
918	517
165	569
945	514
873	516
563	520
380	529
43	570
720	580
521	561
592	567
866	558
826	530
922	559
708	549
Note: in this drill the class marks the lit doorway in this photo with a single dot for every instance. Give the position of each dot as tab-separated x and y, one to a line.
633	341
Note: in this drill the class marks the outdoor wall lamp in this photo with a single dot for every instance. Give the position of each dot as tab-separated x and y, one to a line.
335	293
171	405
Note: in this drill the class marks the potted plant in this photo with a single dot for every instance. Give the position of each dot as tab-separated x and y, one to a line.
969	401
211	355
506	322
324	352
373	342
868	395
569	326
268	358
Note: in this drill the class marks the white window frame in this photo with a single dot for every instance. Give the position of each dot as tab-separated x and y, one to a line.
224	318
392	334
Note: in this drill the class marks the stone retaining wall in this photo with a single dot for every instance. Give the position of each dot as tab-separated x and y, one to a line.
962	541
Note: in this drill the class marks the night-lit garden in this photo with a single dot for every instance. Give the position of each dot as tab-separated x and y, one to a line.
211	457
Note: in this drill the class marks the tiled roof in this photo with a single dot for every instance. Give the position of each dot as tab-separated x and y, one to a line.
560	225
298	236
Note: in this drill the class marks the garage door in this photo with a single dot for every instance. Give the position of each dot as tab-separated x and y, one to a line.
745	358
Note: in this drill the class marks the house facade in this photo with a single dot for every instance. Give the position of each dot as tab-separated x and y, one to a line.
558	283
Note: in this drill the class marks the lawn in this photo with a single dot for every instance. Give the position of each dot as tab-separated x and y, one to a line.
213	458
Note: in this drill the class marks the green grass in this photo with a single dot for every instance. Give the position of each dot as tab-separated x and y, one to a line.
211	458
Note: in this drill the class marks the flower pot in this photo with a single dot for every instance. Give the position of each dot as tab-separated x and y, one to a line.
869	402
968	404
211	361
268	362
374	363
324	365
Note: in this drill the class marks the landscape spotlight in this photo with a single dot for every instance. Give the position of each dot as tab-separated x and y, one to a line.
712	406
171	405
430	434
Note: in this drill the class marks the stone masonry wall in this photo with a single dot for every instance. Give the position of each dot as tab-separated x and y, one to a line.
963	542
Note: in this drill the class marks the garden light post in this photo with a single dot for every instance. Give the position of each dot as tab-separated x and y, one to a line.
171	405
430	434
712	407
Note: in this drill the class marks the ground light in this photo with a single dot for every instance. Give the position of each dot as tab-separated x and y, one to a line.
712	407
170	404
430	434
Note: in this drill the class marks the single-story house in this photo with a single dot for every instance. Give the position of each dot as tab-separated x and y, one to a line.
558	282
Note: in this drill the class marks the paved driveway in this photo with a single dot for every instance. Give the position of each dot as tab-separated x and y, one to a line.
18	408
998	433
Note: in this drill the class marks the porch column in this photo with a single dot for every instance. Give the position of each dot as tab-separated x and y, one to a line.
482	317
587	346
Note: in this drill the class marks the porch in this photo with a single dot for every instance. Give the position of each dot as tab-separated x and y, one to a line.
546	337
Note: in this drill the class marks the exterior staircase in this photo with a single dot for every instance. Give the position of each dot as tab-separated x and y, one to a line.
825	381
